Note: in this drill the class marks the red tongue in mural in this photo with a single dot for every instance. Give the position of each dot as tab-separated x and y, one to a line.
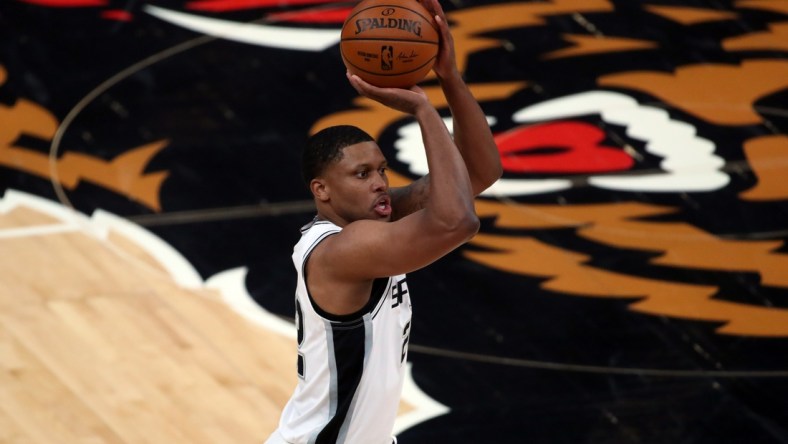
559	147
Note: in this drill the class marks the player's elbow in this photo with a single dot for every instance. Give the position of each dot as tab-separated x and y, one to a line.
485	180
473	225
495	173
454	227
466	226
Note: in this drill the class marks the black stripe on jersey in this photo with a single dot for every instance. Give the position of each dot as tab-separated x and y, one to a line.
379	288
349	347
381	298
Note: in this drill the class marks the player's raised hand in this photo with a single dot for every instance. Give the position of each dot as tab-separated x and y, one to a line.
404	100
446	61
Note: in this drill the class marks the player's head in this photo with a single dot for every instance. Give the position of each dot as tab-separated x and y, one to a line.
345	170
326	146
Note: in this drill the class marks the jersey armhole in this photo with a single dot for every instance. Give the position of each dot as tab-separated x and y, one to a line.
379	286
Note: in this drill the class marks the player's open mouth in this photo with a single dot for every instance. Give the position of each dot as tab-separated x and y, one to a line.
383	206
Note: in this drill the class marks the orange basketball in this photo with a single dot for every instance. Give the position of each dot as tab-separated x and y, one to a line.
389	43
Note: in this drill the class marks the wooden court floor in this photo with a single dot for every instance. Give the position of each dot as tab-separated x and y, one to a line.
108	336
99	344
629	283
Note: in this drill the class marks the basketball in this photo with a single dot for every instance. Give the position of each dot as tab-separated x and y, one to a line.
389	43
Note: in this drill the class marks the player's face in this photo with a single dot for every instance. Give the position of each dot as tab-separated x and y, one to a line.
358	184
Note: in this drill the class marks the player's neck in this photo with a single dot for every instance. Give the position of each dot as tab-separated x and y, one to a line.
333	218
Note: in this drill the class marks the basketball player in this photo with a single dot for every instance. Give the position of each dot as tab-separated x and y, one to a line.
353	309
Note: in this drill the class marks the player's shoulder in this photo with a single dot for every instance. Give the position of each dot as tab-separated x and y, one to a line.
410	198
340	243
312	235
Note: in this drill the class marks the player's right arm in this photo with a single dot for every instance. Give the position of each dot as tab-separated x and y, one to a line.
369	249
472	134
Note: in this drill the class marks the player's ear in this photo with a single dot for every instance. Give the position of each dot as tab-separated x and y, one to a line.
319	189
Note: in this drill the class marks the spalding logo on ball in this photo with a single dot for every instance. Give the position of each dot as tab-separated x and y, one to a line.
389	43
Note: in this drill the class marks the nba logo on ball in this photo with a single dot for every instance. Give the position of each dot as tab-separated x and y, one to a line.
389	43
387	58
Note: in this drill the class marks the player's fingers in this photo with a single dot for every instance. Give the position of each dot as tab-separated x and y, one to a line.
358	84
437	9
443	27
428	5
366	89
418	90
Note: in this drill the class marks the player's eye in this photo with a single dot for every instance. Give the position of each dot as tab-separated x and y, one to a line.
382	170
362	174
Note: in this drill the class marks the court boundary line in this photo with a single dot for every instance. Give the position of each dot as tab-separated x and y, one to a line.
581	368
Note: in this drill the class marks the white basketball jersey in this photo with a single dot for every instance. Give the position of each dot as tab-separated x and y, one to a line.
351	368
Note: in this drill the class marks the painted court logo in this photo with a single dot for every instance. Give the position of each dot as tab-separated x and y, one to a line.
613	167
640	216
638	161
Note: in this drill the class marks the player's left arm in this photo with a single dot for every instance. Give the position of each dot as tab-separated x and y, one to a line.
472	134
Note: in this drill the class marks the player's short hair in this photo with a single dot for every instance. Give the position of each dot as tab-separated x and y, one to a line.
326	146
